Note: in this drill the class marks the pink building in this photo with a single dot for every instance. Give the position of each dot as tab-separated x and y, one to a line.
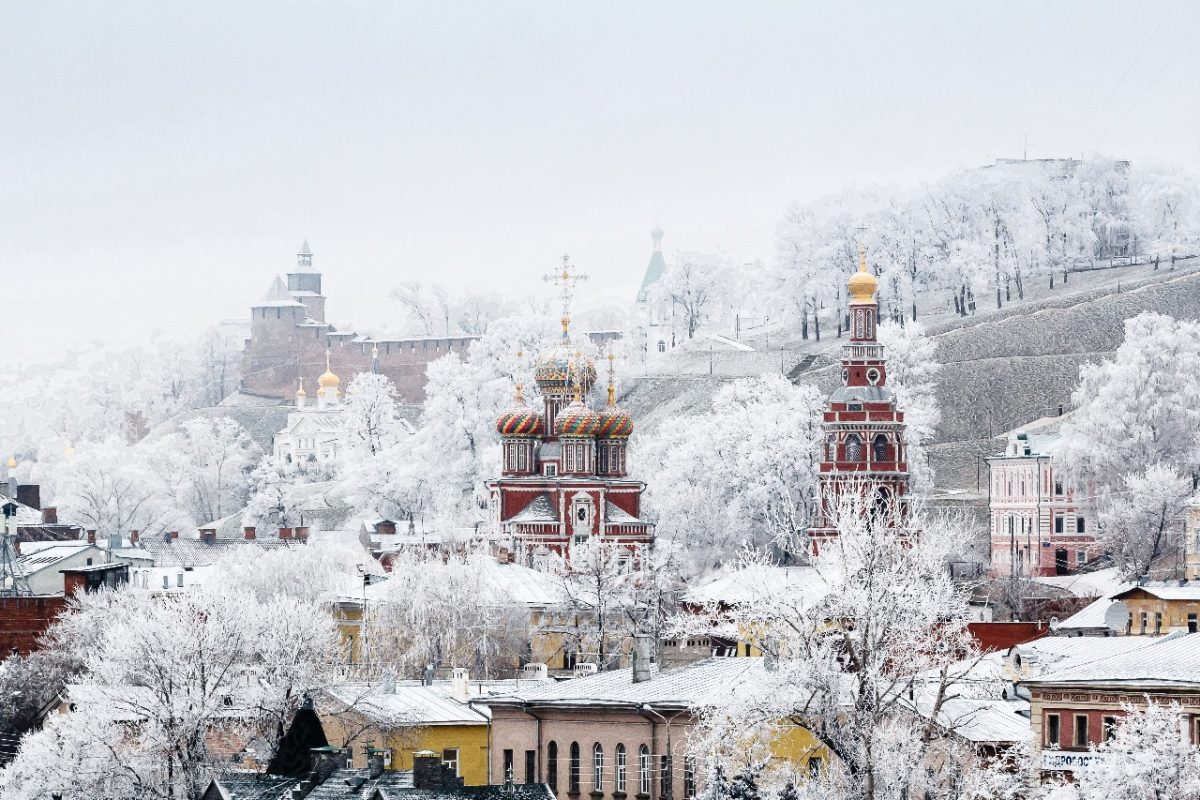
614	734
1037	528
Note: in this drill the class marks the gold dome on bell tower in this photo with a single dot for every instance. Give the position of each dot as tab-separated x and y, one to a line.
862	284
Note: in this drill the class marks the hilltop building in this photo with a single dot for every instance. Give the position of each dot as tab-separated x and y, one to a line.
655	333
564	474
1036	527
290	338
864	427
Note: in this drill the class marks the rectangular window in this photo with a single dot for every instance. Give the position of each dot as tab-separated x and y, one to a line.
1157	622
1081	557
1109	725
508	766
1058	524
1080	525
1081	730
1192	627
550	470
1058	488
531	766
689	778
814	767
664	789
450	758
1144	619
622	767
1052	733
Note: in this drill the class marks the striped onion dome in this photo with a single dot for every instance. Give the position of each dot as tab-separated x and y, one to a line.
576	421
520	421
613	423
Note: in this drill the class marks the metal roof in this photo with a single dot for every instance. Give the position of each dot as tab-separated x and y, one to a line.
744	585
1172	660
409	705
691	686
979	721
540	510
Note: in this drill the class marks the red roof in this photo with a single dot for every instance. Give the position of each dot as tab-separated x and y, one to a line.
993	636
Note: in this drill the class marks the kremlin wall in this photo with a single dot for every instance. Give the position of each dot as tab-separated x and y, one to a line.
289	339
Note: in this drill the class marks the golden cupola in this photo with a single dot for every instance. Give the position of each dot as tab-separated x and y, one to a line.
862	284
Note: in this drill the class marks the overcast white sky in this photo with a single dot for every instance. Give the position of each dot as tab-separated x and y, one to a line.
161	161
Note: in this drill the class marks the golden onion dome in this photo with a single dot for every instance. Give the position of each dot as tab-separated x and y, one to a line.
328	380
862	284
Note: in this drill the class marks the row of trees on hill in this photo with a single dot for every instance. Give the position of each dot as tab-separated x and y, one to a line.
977	236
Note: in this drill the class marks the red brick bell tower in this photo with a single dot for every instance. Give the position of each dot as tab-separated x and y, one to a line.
864	448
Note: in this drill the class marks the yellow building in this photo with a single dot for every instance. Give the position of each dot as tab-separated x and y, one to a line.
403	717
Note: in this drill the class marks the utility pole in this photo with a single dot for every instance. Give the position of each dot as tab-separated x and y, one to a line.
13	582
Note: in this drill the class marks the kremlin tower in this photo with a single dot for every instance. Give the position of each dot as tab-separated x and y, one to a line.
564	467
864	430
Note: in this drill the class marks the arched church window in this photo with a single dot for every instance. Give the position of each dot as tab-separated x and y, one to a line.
854	450
880	447
662	346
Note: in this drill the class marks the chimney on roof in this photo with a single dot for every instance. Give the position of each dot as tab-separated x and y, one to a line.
389	681
49	515
377	760
208	535
285	533
134	537
461	685
250	532
427	676
643	656
301	533
91	536
385	526
535	671
173	534
114	542
29	494
430	773
325	760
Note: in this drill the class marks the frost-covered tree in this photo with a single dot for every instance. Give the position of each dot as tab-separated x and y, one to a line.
1149	755
1132	446
598	586
206	465
443	610
276	496
882	622
370	416
751	478
112	488
912	369
692	285
162	678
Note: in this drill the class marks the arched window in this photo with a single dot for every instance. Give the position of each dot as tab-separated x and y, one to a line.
662	346
644	769
552	766
597	767
622	767
880	447
573	778
854	451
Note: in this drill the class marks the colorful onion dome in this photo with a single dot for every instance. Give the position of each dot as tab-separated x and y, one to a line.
520	421
576	421
613	423
555	374
862	284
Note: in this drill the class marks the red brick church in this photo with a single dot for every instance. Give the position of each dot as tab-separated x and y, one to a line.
564	477
863	425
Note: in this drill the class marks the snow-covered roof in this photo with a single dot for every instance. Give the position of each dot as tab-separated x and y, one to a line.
1172	660
1090	617
198	553
50	556
278	296
744	585
618	515
540	510
978	721
409	705
1101	583
1164	590
698	684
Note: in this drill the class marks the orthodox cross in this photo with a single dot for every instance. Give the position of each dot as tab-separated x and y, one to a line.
565	279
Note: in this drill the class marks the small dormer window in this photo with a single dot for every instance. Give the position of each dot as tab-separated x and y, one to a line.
855	407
